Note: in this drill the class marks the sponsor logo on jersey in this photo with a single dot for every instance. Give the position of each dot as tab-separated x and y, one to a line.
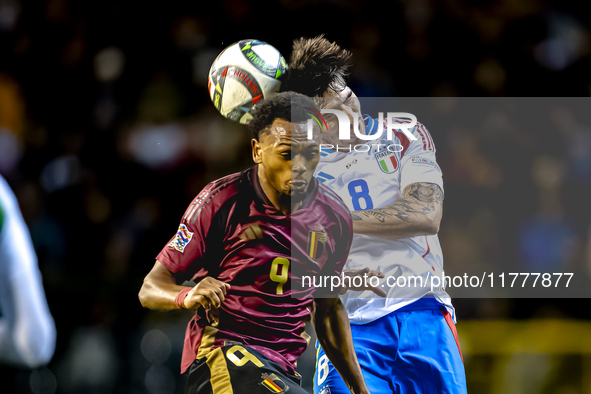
273	383
252	231
387	161
325	390
423	161
316	241
182	238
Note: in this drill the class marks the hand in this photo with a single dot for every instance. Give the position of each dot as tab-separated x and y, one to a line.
208	293
365	274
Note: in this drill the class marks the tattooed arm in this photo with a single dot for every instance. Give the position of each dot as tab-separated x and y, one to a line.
417	213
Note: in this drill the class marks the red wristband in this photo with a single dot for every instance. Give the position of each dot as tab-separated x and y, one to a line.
180	298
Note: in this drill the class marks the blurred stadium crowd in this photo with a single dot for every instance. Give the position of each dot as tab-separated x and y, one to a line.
107	132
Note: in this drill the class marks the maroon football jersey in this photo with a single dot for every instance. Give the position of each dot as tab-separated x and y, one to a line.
233	233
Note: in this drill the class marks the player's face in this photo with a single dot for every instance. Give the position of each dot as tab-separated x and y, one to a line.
347	102
288	158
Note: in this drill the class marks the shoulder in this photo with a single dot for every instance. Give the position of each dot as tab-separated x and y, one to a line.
215	195
332	201
408	134
417	136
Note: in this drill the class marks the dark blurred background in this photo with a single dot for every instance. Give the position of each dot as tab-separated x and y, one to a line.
107	132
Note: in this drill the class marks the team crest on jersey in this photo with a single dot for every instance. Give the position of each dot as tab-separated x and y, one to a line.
387	161
316	242
182	238
273	383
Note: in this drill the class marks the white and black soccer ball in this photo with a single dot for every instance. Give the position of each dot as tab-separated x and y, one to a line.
243	74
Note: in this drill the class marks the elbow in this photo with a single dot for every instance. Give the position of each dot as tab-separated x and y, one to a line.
432	220
43	353
143	295
140	296
149	296
433	228
430	227
35	347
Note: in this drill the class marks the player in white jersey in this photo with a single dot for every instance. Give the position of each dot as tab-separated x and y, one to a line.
405	342
27	329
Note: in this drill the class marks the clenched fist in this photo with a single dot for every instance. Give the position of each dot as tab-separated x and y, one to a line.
208	293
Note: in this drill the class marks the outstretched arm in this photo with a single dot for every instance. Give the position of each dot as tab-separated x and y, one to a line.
334	334
159	291
27	329
419	212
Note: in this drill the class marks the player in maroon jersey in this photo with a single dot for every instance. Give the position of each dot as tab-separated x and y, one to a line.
246	240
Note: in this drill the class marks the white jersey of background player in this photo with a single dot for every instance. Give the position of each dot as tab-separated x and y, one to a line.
27	329
374	176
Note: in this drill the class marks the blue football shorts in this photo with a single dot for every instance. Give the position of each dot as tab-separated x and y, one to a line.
404	352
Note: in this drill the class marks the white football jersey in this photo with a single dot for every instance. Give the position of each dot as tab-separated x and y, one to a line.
374	176
27	329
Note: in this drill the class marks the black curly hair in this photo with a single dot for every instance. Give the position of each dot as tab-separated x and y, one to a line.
291	106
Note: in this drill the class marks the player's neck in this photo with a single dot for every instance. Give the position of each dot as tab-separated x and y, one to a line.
295	205
283	203
286	205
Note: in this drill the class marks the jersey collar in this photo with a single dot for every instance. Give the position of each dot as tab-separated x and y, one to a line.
371	125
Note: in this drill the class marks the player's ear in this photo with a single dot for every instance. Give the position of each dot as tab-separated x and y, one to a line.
257	151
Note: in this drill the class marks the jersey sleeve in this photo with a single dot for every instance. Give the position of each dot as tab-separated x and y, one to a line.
418	162
184	253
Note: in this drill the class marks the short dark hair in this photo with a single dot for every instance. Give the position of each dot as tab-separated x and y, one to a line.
317	64
291	106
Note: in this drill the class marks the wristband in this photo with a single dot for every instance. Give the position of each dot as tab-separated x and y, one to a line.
179	301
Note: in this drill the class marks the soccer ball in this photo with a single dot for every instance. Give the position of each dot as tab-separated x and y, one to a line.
244	73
